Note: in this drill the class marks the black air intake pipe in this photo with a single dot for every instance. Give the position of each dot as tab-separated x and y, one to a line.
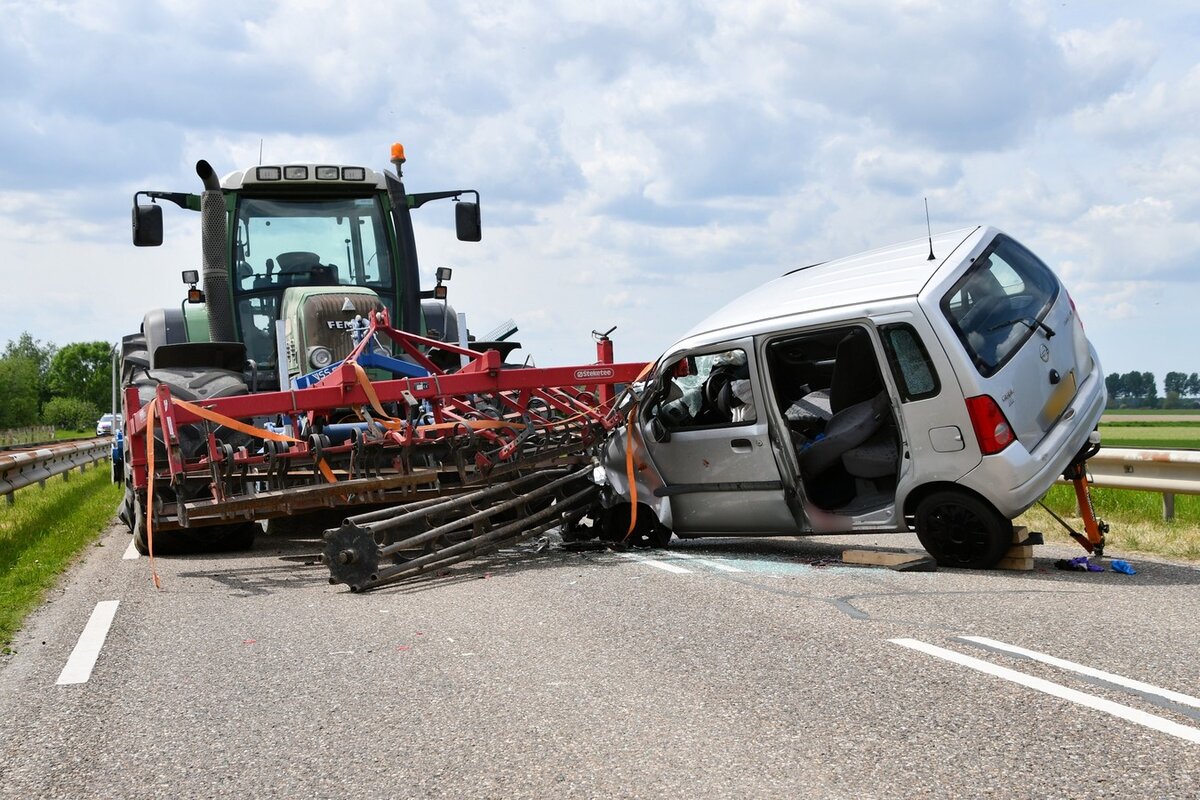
213	243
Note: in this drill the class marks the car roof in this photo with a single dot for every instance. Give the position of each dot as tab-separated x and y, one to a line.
899	270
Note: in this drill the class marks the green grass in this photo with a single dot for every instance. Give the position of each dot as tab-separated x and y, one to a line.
1134	518
61	434
42	533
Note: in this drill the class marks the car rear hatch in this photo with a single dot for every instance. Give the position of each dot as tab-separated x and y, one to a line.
1020	328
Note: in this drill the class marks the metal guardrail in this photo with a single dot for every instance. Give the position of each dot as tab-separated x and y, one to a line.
21	468
1168	472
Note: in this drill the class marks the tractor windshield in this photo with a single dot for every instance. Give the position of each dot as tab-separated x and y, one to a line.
283	243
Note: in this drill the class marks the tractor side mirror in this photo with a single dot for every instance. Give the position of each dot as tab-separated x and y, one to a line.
467	221
147	225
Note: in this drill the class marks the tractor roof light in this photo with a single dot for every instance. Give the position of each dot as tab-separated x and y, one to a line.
397	154
295	173
328	173
354	174
268	173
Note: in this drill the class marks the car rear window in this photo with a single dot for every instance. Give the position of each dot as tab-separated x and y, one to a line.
994	308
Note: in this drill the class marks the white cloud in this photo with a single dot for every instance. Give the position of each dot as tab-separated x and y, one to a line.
1130	117
638	164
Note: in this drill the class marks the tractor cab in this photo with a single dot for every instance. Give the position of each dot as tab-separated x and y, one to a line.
294	254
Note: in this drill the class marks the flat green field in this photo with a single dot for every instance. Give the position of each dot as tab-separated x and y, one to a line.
1151	434
1151	412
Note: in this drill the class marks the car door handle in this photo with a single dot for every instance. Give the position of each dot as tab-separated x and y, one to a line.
741	445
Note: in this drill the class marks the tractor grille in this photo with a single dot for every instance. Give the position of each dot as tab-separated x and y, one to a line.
326	324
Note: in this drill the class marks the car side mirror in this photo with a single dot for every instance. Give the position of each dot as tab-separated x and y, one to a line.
467	222
658	431
147	225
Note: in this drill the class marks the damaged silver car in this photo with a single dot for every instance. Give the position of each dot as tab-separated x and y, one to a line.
940	385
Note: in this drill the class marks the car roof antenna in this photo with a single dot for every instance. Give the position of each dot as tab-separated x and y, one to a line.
929	229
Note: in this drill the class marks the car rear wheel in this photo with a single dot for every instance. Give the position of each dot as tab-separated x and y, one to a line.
960	530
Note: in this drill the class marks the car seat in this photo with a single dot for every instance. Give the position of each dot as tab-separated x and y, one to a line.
855	379
858	443
304	268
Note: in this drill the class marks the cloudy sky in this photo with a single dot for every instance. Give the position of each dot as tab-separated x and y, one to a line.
639	164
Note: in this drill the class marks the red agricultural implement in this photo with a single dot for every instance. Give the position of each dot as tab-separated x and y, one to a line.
354	441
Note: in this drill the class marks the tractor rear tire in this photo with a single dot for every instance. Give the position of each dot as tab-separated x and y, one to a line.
194	384
212	539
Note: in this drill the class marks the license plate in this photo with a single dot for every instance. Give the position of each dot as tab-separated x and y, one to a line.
1059	399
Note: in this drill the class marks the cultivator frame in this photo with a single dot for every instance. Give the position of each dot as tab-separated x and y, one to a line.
351	441
389	545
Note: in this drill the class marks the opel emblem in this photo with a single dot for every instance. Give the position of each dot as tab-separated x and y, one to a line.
1044	353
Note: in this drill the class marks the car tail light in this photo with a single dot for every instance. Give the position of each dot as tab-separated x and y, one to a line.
1074	310
991	426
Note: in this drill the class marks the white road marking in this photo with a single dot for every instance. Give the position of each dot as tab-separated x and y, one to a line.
1061	663
1038	684
706	562
650	562
131	552
87	649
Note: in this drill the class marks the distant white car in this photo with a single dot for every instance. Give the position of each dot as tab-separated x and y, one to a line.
105	426
940	386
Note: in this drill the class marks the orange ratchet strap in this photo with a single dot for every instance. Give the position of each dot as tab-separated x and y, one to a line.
629	476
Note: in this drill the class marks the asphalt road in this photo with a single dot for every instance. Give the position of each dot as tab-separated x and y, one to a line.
715	669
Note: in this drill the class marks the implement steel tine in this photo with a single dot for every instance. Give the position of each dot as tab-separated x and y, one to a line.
404	516
387	513
406	570
471	547
478	516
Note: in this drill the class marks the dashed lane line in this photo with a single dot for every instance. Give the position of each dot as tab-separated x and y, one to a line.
83	658
1125	712
707	562
1071	666
663	565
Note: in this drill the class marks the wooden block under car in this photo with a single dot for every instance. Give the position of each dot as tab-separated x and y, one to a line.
881	558
1020	555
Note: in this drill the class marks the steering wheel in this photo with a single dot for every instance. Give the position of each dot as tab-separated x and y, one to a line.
717	391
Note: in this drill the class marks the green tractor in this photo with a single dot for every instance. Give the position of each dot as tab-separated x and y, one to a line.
295	256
